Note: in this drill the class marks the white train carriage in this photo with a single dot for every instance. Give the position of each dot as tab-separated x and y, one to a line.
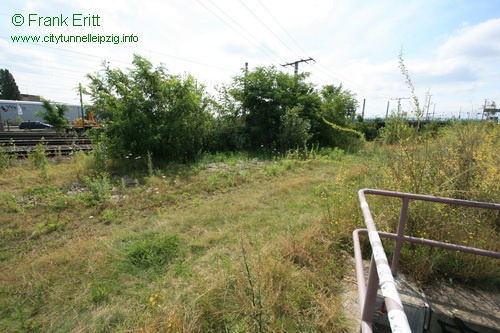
13	112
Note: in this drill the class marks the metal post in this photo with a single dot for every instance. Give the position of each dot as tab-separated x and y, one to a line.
371	293
363	112
81	105
296	64
403	215
397	316
1	122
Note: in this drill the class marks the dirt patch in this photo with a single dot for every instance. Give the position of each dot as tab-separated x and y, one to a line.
350	295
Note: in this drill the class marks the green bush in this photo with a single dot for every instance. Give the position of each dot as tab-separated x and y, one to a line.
148	110
396	130
99	187
5	159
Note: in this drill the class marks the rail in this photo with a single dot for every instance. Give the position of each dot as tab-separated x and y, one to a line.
20	144
380	273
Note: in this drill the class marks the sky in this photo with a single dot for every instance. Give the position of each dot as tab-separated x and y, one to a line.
450	48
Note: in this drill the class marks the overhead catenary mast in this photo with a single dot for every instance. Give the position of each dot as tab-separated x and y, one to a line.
296	64
399	104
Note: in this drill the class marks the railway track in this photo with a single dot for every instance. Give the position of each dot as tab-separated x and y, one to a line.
20	144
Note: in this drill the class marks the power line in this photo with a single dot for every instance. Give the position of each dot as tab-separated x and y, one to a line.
251	12
295	63
220	18
242	28
275	20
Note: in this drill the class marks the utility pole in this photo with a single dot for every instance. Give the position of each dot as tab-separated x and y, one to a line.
245	84
1	122
484	109
399	102
81	105
363	112
428	106
246	75
296	64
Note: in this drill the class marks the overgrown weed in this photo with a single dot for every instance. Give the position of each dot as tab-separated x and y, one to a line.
461	162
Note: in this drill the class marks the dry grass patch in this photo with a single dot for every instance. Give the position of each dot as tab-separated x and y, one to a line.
81	251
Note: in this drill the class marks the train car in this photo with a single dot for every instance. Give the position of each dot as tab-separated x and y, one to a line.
13	112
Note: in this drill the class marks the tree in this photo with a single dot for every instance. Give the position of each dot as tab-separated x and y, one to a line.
8	86
265	96
338	107
229	122
149	111
294	130
54	114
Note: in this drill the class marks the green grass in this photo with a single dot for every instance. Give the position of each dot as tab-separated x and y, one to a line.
235	245
228	244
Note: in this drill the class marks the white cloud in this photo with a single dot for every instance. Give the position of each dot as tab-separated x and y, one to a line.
474	42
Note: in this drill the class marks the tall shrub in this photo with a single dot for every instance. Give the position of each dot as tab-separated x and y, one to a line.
149	110
54	114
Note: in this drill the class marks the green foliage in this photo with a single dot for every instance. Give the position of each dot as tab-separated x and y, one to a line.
171	117
346	131
99	187
465	162
272	109
396	130
461	162
54	115
263	96
229	122
10	204
294	130
5	159
455	163
370	129
337	107
38	158
8	87
99	294
334	154
148	110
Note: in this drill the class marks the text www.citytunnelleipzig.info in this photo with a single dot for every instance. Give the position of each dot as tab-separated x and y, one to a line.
89	38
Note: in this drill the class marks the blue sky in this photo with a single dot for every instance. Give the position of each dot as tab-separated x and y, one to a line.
451	48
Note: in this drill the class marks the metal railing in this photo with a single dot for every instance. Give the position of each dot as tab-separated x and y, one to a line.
380	273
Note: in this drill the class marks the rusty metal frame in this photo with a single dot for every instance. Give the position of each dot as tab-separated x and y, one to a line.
380	274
